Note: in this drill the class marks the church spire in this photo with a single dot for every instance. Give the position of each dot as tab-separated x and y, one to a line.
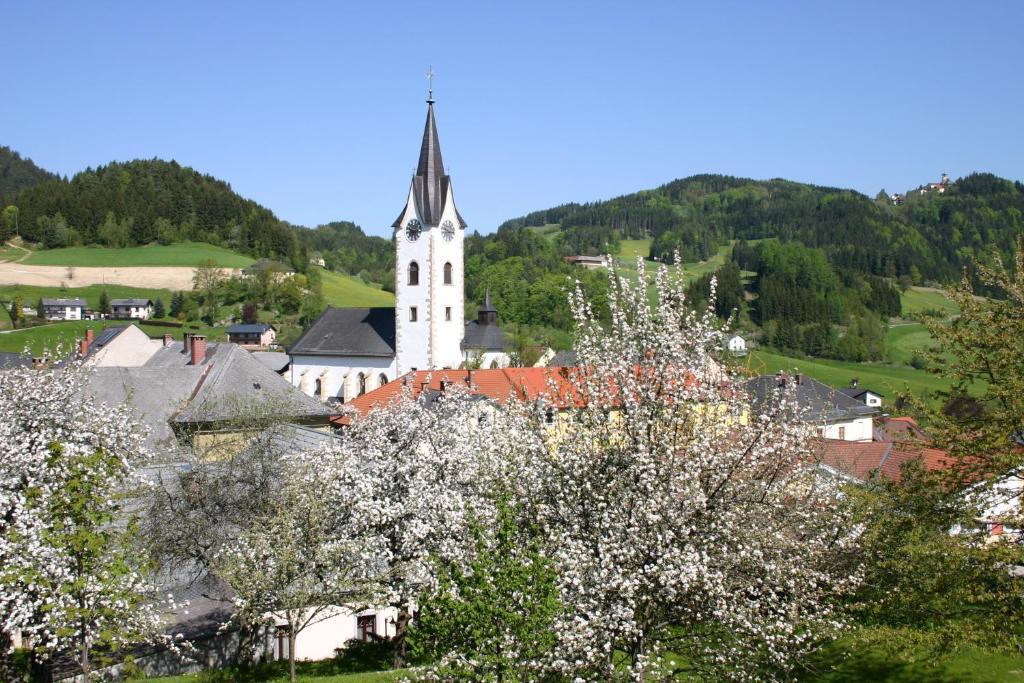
430	185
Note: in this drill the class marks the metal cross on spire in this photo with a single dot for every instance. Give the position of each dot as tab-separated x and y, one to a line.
430	84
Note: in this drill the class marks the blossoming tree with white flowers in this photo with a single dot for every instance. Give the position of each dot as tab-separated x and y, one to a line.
683	525
70	576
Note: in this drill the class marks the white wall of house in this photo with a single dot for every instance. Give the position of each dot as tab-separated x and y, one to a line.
132	312
872	399
64	312
858	429
130	349
737	344
488	359
337	372
321	639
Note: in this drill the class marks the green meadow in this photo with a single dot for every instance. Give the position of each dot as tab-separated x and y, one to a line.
186	254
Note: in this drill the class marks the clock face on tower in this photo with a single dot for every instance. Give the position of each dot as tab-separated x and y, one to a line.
448	230
412	230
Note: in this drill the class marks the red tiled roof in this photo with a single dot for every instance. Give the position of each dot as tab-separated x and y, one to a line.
862	459
554	385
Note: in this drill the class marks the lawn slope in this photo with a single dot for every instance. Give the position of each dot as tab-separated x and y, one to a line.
188	254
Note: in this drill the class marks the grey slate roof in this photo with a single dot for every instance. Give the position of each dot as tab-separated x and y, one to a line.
131	302
349	332
818	402
10	359
482	337
153	395
168	390
857	392
430	184
563	359
233	382
64	302
244	328
275	360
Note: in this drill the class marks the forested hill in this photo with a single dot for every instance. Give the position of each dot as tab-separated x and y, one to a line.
17	173
930	237
145	201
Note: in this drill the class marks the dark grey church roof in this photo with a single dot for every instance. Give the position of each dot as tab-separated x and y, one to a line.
349	332
275	360
131	302
817	402
563	359
482	337
430	184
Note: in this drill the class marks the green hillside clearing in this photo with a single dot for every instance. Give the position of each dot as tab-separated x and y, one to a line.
344	290
917	299
187	254
885	379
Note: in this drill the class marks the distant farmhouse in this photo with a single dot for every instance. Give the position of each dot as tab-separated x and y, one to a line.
131	309
590	262
64	309
256	337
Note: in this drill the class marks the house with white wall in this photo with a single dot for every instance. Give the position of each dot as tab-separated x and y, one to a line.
64	309
837	415
131	309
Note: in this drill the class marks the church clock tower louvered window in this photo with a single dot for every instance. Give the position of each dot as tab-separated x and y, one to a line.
429	239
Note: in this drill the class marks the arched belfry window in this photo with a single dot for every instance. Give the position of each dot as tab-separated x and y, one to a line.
447	273
382	380
414	273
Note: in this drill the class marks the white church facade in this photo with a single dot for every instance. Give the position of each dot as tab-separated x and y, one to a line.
349	351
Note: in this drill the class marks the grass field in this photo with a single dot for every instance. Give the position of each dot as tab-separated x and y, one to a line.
907	341
917	299
188	254
67	334
9	253
885	379
31	295
630	249
344	290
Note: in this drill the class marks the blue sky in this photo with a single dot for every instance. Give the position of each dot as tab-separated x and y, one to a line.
316	109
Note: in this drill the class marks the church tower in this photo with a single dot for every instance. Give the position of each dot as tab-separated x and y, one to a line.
429	299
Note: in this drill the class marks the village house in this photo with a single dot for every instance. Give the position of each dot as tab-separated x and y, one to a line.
258	336
839	416
131	309
866	396
64	309
736	345
124	347
192	393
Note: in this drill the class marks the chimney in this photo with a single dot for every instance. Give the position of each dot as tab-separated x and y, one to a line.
168	338
188	343
198	348
799	379
83	347
88	336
